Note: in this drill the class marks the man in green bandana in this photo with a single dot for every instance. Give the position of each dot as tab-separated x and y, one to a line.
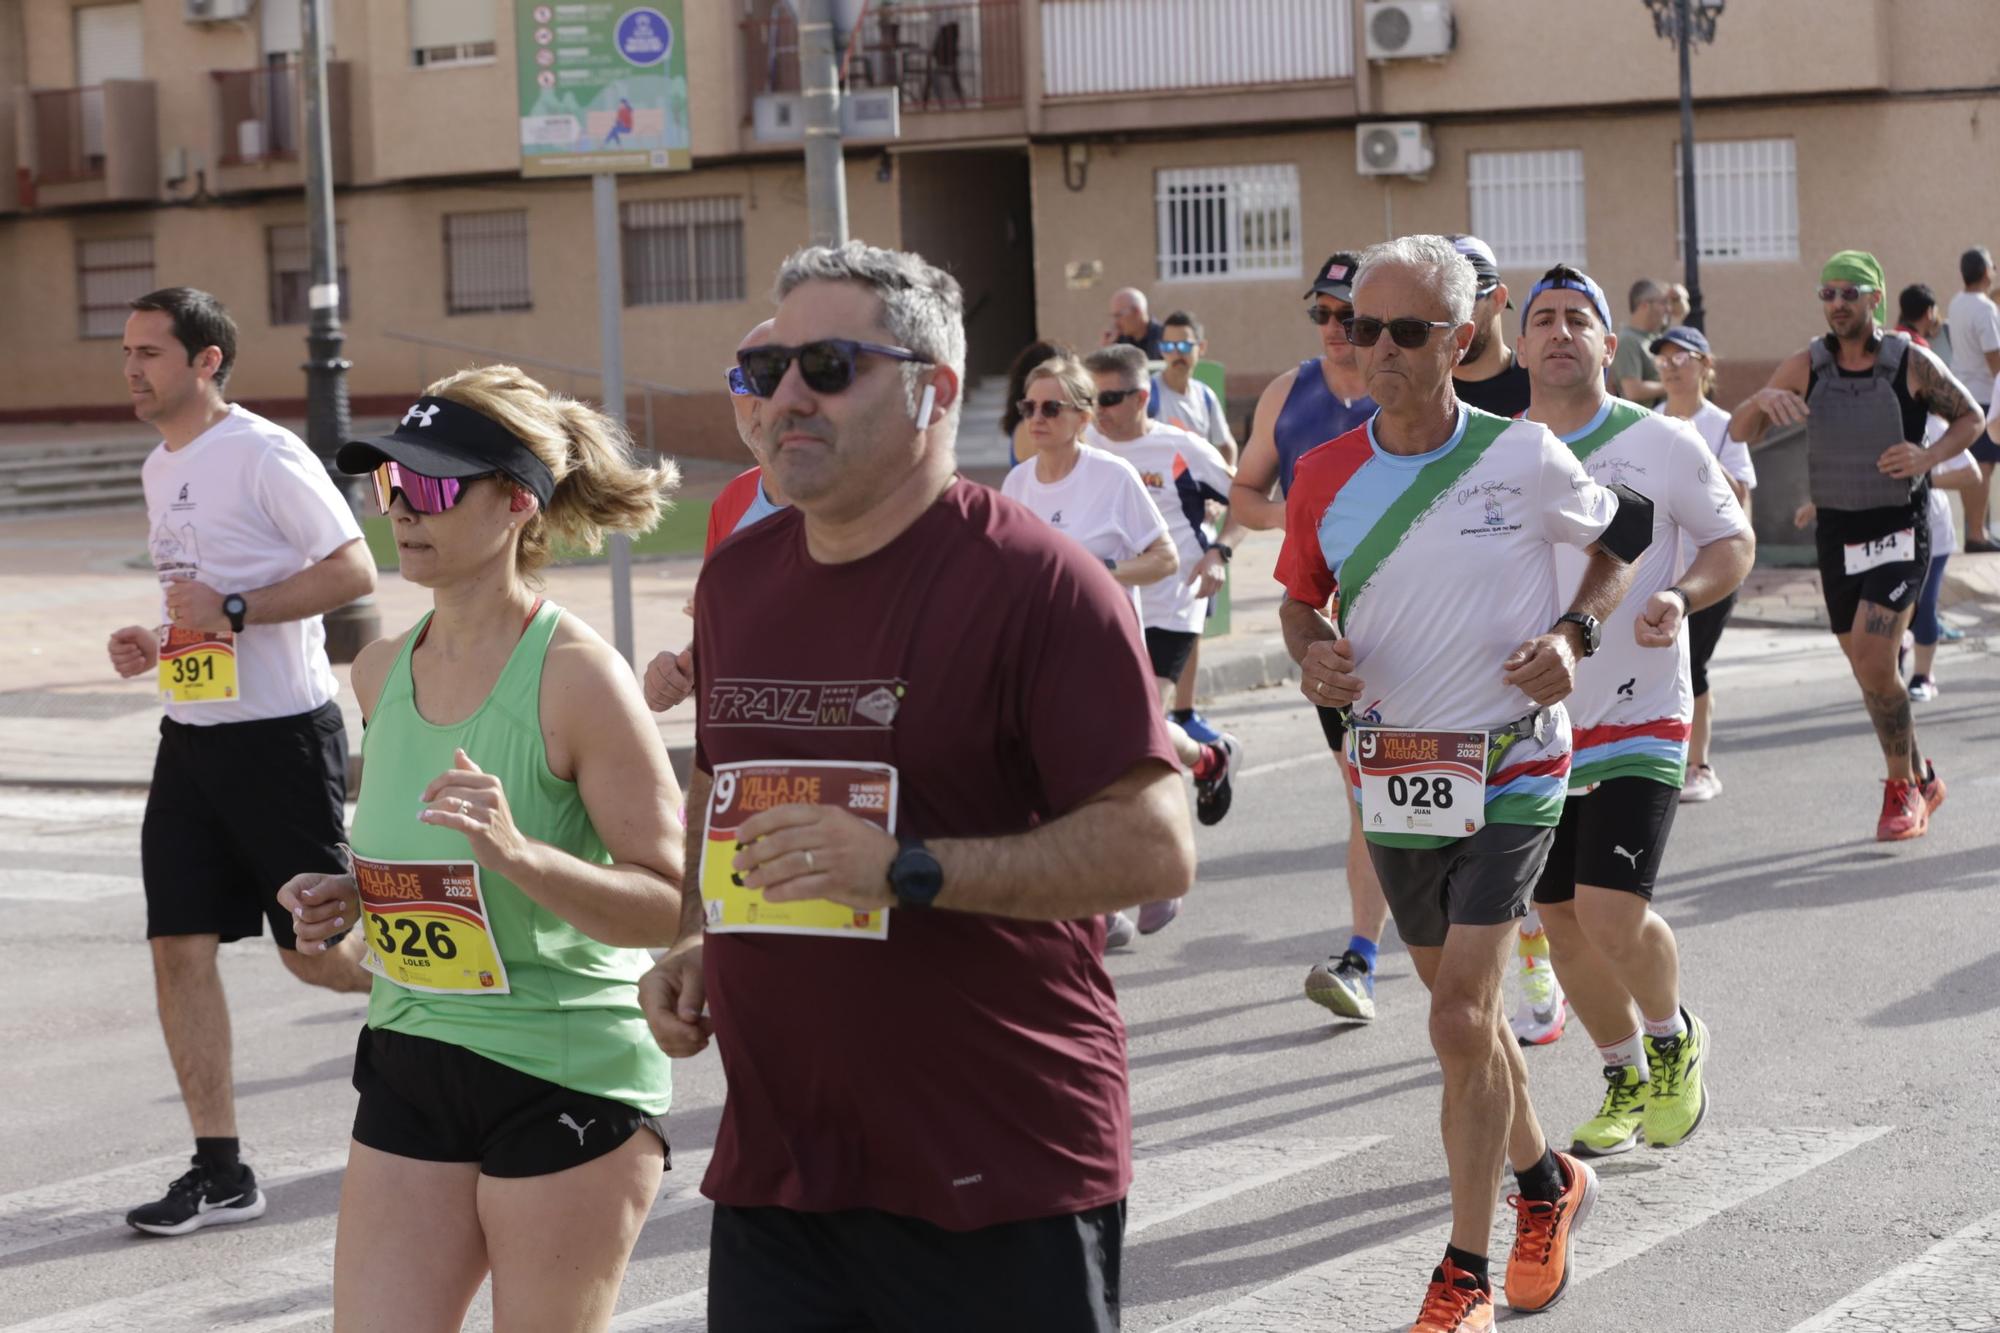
1862	395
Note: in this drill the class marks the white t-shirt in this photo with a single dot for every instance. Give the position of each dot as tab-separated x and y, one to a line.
1944	533
242	506
1975	331
1712	423
1102	504
1197	411
1632	705
1181	472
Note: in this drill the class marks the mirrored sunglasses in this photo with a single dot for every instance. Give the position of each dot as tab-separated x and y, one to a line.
737	384
424	495
1844	292
1181	345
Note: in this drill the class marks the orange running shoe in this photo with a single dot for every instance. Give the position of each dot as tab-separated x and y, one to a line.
1905	812
1538	1269
1932	786
1456	1303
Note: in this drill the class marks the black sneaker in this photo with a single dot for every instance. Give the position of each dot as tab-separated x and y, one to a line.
1212	796
201	1198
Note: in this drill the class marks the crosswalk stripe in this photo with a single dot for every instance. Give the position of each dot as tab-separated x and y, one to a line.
1950	1285
1644	1202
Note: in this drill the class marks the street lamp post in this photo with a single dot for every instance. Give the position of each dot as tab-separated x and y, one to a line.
1685	22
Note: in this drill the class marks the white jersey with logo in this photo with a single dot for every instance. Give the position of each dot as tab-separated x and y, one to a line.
1632	706
1182	472
1102	504
240	507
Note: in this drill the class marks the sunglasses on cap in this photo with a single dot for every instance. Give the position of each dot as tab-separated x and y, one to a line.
827	366
1844	292
737	384
424	495
1113	397
1409	334
1323	315
1050	408
1177	345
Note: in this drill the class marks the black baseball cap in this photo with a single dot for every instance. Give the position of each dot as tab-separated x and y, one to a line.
1480	255
440	438
1336	276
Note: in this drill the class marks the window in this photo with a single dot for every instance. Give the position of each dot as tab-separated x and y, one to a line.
1528	206
1746	195
109	275
452	32
682	251
288	251
1228	222
486	262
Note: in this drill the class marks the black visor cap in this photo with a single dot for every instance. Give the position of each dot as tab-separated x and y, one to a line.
441	438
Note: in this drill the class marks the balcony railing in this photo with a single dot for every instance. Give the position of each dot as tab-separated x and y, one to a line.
940	57
1106	47
68	135
258	114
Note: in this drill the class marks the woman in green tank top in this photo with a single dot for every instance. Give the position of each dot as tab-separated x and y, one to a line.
516	847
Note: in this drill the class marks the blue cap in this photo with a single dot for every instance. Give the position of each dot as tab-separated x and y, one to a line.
1682	336
1582	282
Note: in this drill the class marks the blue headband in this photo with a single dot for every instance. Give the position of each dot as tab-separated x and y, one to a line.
1584	283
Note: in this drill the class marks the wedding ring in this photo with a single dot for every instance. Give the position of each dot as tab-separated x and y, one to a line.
1321	687
809	862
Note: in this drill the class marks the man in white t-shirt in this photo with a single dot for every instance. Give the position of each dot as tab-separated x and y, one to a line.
1975	360
252	545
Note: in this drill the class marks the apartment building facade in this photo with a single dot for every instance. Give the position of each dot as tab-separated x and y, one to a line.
1210	152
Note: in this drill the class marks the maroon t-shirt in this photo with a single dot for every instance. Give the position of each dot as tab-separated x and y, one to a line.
969	1070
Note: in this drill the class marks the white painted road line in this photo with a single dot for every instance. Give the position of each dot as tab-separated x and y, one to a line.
1380	1287
1948	1286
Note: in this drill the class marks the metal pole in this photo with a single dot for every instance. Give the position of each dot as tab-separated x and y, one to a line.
611	347
826	176
1683	38
348	628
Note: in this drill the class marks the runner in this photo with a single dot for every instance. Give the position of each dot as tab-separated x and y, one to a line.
1491	377
1438	524
927	1122
1854	388
1320	400
1618	959
1687	369
1099	500
1183	473
504	1070
252	545
748	498
1961	472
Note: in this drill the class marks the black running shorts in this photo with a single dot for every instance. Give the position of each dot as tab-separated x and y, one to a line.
863	1271
1704	632
1170	650
1895	586
438	1102
235	810
1612	837
1479	880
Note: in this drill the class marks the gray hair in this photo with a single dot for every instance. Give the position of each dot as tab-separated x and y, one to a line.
923	307
1118	359
1437	260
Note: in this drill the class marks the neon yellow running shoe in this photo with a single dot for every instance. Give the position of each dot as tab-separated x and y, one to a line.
1615	1127
1679	1100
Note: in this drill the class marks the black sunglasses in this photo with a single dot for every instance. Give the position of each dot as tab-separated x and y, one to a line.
1323	315
1410	334
827	366
1050	408
1113	397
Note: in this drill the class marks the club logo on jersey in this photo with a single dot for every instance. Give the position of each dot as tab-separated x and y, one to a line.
182	498
1492	497
1153	479
1614	471
808	705
1494	518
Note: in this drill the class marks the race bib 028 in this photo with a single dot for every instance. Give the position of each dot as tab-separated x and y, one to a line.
1429	782
197	666
742	791
427	926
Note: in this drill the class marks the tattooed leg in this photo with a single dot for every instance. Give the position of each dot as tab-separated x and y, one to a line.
1896	731
1871	651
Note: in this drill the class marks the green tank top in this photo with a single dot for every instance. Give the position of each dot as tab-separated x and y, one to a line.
571	1015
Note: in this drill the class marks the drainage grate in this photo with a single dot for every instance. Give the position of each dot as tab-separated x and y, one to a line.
80	705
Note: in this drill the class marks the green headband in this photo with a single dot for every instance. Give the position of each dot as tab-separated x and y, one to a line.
1855	266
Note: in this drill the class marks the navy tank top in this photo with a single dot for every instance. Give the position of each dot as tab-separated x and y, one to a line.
1312	415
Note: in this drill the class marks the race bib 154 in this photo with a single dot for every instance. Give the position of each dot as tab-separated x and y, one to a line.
744	790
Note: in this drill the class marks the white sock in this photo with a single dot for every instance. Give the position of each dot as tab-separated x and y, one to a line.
1627	1051
1661	1029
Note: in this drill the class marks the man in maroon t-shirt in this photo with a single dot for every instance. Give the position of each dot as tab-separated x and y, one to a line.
928	761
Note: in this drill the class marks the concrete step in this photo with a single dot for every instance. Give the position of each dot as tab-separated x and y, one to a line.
109	497
51	479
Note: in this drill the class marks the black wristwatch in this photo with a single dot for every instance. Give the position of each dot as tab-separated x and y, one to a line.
235	608
1593	632
1224	549
1687	603
915	876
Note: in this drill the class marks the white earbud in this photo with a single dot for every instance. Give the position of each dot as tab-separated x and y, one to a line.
924	407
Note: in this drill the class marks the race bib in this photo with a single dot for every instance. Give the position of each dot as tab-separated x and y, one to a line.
1430	782
1897	548
744	790
197	666
427	926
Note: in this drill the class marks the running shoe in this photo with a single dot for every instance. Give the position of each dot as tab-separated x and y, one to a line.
1905	813
1615	1127
1119	930
1212	796
1677	1101
1538	1268
1456	1303
1544	1009
1199	727
203	1197
1922	689
1345	985
1701	785
1932	787
1156	917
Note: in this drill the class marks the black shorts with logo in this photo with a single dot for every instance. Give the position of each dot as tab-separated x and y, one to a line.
864	1271
1613	837
234	811
438	1102
1895	585
1482	879
1704	632
1170	650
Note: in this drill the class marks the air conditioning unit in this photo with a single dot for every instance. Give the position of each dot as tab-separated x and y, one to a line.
871	113
1410	29
778	118
215	11
1393	148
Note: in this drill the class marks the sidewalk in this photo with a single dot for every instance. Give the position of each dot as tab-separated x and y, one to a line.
69	580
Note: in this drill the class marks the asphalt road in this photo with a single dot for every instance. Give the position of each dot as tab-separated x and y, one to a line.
1289	1172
